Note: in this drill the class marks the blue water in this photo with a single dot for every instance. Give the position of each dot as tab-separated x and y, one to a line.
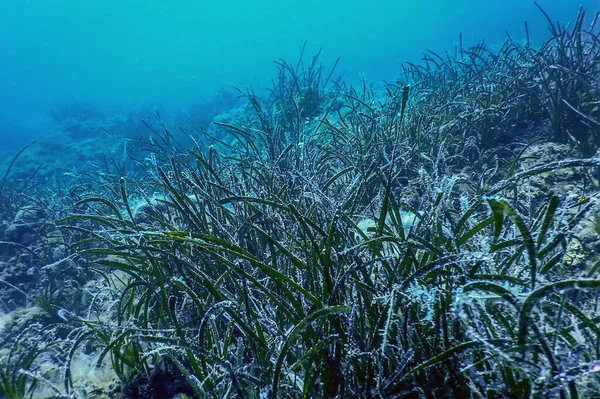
122	54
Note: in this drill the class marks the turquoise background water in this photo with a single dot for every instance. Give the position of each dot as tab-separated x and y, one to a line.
120	54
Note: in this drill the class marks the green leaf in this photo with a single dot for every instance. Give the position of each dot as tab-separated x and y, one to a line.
291	337
465	346
527	238
550	211
498	214
533	298
476	229
103	201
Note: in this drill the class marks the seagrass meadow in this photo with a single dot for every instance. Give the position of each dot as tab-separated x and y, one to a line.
433	237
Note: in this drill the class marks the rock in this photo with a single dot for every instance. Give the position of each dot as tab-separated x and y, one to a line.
575	256
29	215
20	233
55	237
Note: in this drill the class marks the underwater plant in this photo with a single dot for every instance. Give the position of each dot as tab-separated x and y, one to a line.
395	245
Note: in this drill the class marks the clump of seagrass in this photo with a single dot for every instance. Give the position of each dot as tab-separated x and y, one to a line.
383	250
493	96
252	292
